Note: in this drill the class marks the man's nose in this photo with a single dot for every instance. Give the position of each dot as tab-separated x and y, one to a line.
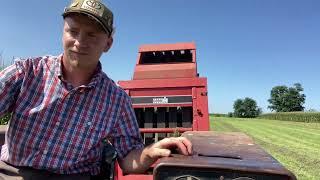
81	40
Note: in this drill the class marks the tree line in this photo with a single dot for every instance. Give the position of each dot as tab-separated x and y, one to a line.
282	99
3	63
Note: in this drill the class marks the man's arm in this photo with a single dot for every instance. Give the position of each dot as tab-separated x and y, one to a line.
10	83
138	161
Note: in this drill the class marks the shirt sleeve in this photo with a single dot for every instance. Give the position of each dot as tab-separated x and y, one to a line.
126	132
11	79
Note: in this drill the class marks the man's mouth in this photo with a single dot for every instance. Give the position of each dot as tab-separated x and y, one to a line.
79	53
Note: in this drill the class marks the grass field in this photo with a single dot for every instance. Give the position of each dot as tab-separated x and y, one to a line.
295	144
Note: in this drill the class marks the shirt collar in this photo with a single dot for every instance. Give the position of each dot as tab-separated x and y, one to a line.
97	75
58	66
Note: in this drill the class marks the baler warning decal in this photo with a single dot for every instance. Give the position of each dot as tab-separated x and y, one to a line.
162	100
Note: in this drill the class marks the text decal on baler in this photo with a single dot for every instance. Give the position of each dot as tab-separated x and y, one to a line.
163	100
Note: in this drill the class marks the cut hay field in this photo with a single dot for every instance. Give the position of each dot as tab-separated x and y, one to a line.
295	144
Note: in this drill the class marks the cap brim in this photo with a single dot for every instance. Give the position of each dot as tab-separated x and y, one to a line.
88	14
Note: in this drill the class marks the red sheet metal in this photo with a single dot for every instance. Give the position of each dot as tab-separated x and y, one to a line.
161	105
164	83
167	47
225	155
171	83
160	71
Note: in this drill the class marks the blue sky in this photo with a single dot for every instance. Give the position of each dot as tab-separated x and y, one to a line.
244	47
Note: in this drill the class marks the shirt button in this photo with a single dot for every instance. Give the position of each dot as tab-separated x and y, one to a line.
89	123
45	152
82	90
58	123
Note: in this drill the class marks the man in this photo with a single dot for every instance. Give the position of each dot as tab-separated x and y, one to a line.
64	106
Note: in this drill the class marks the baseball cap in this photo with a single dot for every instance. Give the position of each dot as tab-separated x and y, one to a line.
95	9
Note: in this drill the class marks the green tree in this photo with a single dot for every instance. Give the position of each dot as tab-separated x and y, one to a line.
246	108
284	99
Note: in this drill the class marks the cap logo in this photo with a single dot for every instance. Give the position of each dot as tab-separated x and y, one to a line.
93	4
94	7
74	4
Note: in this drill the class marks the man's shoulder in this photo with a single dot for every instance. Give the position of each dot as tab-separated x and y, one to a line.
36	62
114	86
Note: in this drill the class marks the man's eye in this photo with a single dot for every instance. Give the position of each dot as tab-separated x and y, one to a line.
92	35
73	32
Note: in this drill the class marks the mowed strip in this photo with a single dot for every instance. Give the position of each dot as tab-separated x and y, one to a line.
296	145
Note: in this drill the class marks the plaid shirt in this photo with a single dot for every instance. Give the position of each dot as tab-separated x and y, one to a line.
57	127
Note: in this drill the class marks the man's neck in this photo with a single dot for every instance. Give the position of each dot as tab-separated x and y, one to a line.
77	76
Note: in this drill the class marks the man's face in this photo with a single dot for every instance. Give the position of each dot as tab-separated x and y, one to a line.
84	41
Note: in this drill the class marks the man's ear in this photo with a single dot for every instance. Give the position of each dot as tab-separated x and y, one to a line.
108	44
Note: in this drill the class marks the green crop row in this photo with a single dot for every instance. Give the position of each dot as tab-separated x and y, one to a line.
294	144
293	116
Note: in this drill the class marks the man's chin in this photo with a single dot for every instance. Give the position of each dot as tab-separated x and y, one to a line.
80	63
77	59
